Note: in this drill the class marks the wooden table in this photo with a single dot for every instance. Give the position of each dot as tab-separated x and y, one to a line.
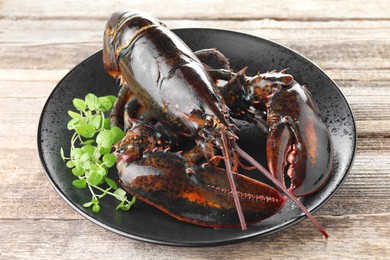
40	41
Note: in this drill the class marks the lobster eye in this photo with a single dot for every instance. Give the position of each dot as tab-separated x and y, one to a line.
120	150
209	121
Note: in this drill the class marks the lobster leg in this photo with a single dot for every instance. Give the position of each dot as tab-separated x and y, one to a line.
206	55
140	138
131	110
233	91
203	149
117	112
126	109
220	75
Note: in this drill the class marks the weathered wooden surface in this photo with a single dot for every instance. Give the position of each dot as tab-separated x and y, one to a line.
40	41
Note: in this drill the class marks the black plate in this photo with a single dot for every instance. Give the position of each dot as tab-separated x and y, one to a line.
149	224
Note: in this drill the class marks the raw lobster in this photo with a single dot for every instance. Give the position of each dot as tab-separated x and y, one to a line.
169	97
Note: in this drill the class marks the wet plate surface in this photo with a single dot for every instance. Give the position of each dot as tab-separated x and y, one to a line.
149	224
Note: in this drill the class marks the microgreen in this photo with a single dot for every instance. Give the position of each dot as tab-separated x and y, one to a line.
90	152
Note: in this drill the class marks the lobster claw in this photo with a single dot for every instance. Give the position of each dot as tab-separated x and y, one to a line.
196	194
300	153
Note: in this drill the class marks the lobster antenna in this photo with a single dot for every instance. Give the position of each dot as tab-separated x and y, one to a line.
280	186
229	172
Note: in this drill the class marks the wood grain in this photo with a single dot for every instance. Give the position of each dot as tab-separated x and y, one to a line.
315	40
84	239
40	41
303	10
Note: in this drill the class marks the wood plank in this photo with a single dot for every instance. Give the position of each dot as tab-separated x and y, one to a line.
39	32
357	46
77	238
305	10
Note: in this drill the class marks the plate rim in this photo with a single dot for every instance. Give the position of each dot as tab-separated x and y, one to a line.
242	238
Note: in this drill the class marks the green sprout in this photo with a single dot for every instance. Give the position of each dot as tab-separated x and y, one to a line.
90	152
